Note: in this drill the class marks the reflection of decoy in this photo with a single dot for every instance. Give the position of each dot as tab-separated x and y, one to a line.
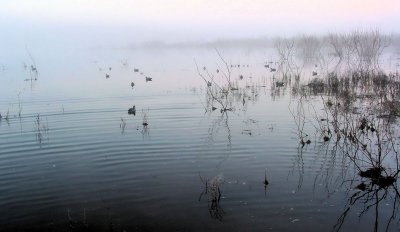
107	76
265	178
132	84
132	110
149	79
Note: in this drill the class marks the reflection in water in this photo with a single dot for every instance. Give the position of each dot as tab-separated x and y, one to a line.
122	125
221	122
212	189
145	124
355	126
351	127
41	129
371	196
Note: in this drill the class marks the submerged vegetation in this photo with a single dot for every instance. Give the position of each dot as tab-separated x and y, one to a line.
358	117
212	189
346	102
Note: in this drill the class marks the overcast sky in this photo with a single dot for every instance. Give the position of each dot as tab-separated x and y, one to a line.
212	19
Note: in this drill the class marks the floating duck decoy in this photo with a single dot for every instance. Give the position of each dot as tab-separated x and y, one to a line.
132	84
149	79
273	69
135	70
109	68
107	76
132	110
314	73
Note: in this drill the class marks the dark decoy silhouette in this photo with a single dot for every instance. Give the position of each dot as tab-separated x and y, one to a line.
132	110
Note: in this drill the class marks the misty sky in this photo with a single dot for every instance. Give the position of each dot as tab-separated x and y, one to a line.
194	19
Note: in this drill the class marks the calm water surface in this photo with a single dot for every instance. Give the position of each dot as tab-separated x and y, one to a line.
74	160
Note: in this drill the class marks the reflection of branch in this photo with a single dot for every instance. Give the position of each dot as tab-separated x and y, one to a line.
224	118
300	120
374	194
213	190
341	219
367	144
41	130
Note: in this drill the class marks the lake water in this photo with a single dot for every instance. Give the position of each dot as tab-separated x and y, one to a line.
73	159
